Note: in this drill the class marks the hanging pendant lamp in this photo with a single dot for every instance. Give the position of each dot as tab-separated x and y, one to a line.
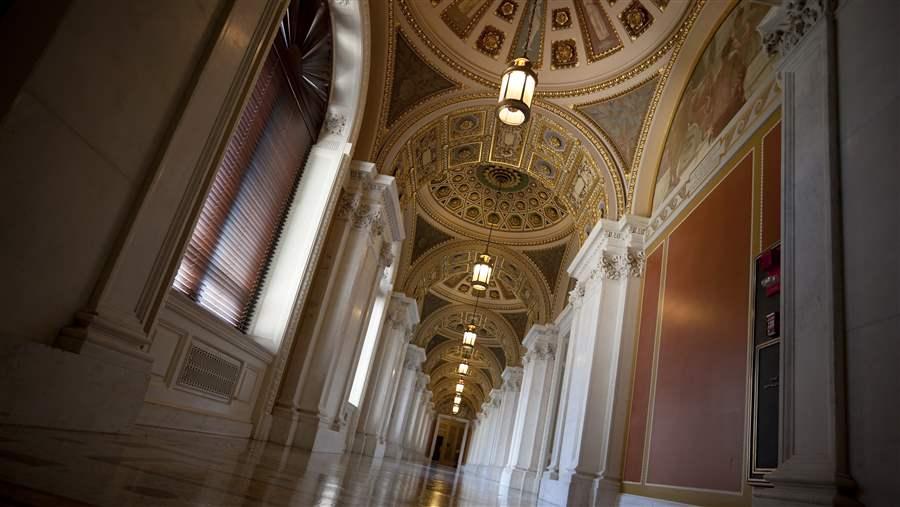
517	86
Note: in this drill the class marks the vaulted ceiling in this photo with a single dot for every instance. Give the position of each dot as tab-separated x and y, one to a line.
611	73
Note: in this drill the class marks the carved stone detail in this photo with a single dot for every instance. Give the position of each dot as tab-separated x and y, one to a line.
541	352
790	24
335	123
385	256
576	295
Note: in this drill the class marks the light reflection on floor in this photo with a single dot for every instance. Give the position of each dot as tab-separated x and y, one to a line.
157	468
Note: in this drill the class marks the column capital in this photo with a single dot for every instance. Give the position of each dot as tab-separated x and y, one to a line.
540	342
786	25
370	201
495	398
414	357
512	378
614	250
403	314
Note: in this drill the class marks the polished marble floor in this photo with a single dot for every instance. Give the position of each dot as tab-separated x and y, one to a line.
159	468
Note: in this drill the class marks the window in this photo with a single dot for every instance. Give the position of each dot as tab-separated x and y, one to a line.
368	348
228	255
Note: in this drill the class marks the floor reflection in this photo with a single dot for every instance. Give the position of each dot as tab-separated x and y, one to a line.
160	468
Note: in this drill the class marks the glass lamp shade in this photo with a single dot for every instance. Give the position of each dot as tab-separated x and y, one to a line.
470	336
457	399
455	409
460	387
463	369
516	92
481	272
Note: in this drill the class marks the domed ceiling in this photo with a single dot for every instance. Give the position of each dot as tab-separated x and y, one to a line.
536	190
576	45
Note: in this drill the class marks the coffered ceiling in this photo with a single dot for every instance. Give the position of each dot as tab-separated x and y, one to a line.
610	75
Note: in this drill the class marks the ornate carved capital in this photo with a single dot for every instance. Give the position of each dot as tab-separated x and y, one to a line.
635	262
576	295
619	266
541	352
385	256
786	27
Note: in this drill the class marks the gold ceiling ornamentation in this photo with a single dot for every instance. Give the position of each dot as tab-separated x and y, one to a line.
491	194
636	19
490	41
600	38
564	54
561	18
517	284
507	10
600	41
494	332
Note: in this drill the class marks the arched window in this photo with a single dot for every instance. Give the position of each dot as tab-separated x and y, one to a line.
228	255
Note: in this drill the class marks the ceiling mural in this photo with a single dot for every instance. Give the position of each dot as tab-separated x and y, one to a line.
730	69
622	116
537	189
414	80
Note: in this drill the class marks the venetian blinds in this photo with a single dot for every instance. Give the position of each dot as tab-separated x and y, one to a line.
229	252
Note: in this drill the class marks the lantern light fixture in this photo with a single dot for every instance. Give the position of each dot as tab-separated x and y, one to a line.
517	85
460	386
463	368
457	399
481	272
516	92
455	409
469	336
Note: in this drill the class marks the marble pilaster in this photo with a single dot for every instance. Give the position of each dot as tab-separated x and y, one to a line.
414	417
533	409
402	317
412	364
506	418
311	411
813	465
600	359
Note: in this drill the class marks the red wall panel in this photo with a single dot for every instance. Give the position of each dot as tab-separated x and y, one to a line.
771	187
697	434
640	395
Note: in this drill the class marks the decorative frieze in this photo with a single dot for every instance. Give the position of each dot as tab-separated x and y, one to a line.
787	24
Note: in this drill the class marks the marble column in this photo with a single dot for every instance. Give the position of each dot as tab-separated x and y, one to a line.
533	409
548	463
416	447
402	317
412	364
414	418
509	396
492	435
312	411
475	445
608	269
813	465
427	421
